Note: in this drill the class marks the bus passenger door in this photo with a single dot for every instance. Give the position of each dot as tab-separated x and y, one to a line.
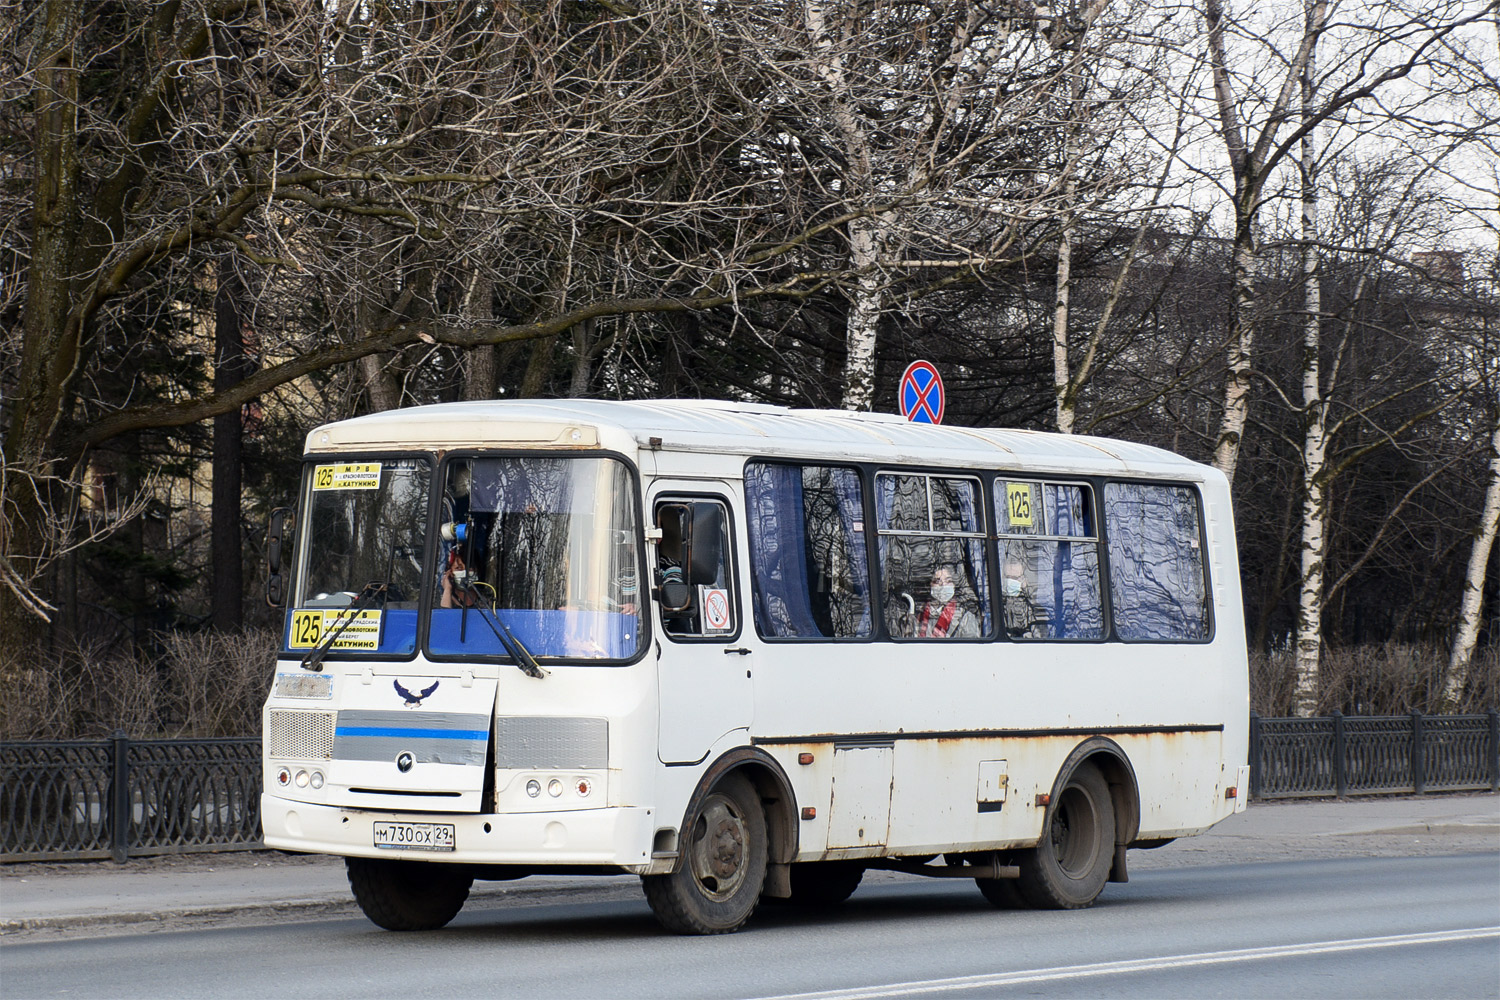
703	674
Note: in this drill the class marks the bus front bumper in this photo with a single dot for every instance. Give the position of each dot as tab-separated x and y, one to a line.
612	836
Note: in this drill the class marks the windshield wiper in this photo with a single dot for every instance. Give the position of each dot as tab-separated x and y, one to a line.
374	589
513	646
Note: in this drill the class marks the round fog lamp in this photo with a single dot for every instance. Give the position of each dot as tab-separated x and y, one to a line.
554	788
301	779
533	788
317	779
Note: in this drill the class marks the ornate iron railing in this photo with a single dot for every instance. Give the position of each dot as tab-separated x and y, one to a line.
60	800
124	798
1373	755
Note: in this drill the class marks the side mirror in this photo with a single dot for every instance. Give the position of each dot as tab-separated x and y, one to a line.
691	550
705	543
279	529
673	551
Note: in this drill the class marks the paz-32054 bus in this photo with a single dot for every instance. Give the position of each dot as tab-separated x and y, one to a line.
745	651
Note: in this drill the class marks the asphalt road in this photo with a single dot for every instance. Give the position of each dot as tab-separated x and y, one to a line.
1340	927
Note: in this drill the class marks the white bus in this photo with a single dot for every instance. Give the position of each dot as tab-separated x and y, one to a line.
746	652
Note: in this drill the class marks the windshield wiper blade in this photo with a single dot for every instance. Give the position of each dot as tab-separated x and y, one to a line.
517	650
375	588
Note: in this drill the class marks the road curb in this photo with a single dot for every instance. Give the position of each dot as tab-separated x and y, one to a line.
324	906
1424	828
192	915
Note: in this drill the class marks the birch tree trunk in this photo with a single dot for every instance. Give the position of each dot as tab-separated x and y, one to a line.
1472	604
1251	164
865	233
1479	559
1315	424
1062	382
1241	351
864	315
1065	397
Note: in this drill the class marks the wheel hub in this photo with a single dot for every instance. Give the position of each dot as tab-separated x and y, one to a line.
719	849
728	848
1073	826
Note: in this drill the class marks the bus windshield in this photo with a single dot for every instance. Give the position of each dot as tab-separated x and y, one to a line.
365	525
544	547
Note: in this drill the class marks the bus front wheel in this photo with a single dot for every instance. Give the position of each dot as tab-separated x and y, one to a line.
723	868
407	895
1068	868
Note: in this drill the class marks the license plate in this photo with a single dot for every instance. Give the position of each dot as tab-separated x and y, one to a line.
414	836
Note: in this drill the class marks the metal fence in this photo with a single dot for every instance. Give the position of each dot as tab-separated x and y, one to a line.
119	798
61	800
1374	755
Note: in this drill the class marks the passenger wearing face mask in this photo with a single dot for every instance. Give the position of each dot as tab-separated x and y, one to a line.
1020	608
942	616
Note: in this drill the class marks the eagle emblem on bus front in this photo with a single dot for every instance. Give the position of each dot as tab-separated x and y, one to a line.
415	700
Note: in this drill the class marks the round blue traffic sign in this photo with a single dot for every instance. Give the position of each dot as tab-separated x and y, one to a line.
922	396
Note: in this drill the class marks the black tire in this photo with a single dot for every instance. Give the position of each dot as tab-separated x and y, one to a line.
407	895
1068	868
723	866
818	884
1003	893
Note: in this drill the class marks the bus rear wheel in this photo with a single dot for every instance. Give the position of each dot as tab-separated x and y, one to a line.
723	867
1003	893
1068	868
407	895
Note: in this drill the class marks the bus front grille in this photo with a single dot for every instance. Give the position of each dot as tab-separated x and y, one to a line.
297	735
551	742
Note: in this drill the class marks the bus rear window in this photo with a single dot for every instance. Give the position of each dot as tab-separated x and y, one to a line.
1155	562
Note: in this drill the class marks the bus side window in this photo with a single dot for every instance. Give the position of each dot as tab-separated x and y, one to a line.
1049	560
694	585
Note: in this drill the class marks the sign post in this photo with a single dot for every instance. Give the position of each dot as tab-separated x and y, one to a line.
922	396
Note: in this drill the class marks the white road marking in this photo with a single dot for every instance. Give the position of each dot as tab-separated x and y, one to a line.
1143	965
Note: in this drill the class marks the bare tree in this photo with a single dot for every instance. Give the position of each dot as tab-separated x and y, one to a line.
342	160
1110	123
1383	210
917	133
1485	354
1260	126
1472	603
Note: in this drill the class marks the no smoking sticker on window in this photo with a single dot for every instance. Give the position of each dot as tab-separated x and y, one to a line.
715	610
362	476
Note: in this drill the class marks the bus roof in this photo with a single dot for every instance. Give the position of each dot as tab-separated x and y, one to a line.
752	429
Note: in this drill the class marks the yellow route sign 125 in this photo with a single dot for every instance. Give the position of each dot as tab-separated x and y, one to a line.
1018	504
310	628
359	476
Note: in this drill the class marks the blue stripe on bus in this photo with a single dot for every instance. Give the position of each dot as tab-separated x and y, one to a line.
431	734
